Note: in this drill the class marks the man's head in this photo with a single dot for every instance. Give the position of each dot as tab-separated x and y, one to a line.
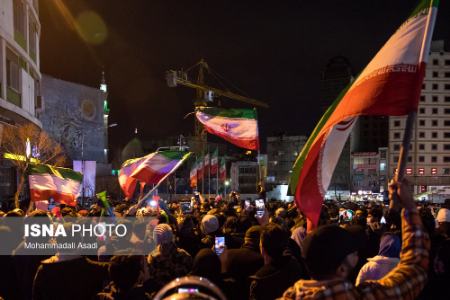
209	224
273	241
443	221
124	270
162	234
330	252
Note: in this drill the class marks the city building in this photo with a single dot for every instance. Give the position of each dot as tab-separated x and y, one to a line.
76	116
244	177
282	152
369	134
429	158
369	171
20	76
19	62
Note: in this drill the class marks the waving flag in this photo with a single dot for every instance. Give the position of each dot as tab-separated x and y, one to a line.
215	162
237	126
223	170
61	184
200	171
152	168
389	85
193	175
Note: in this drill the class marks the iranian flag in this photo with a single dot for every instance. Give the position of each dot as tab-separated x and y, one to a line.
61	184
237	126
150	169
223	170
389	85
206	164
193	175
214	162
126	182
200	171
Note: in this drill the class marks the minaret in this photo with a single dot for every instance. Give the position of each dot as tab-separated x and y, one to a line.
104	89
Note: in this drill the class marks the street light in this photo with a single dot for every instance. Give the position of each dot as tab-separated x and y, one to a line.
227	183
82	153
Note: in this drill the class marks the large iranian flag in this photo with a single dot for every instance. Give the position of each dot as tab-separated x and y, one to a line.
151	169
237	126
61	184
389	85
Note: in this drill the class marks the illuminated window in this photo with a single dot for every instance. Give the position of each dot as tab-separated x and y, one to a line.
421	171
408	171
433	171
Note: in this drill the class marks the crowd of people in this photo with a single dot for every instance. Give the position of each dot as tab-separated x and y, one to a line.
357	251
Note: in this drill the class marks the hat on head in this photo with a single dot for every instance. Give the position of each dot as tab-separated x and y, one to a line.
390	245
209	224
162	234
443	216
326	248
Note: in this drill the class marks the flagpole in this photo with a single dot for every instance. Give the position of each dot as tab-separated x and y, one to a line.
209	174
424	51
258	180
217	173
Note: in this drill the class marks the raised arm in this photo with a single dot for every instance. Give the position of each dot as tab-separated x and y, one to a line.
407	280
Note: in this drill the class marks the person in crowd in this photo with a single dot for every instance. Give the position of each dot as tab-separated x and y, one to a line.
374	230
437	287
209	227
188	236
386	260
278	271
124	272
329	269
233	238
443	222
241	263
167	261
68	275
207	265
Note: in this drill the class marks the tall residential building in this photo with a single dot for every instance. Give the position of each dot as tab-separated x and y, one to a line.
281	154
19	75
19	61
429	158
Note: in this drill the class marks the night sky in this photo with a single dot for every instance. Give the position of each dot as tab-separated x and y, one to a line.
273	51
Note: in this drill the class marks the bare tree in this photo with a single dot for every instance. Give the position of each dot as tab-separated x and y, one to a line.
45	149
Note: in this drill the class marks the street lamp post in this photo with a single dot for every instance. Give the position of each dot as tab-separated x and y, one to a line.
82	155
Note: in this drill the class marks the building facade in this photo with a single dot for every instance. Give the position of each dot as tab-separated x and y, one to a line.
369	171
244	177
20	76
19	62
74	116
282	152
429	157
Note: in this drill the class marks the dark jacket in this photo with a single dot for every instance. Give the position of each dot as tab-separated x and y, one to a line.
273	279
78	278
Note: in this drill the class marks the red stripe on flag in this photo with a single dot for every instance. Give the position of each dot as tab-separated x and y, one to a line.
308	197
251	144
388	94
63	198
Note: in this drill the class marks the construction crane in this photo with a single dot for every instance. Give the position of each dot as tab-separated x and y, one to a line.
205	94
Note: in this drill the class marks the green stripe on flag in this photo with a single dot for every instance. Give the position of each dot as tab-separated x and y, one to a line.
170	154
56	171
230	113
423	5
